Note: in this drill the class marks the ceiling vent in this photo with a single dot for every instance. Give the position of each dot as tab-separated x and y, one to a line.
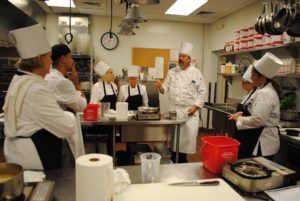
206	13
90	4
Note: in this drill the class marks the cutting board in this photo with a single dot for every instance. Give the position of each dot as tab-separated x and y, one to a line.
164	192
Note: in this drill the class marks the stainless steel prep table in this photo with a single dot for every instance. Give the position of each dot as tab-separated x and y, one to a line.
65	179
145	123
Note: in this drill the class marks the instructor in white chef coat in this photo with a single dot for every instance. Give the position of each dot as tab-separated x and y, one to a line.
258	132
186	88
133	93
34	122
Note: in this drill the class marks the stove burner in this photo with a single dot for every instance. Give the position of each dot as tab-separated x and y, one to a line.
251	170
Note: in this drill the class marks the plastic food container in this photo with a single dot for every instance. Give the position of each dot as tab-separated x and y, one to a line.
217	150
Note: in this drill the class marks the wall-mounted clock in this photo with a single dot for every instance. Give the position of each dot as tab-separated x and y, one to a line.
109	40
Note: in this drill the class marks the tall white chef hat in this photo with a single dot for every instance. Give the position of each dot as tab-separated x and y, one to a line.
247	75
186	48
101	68
268	65
30	41
133	71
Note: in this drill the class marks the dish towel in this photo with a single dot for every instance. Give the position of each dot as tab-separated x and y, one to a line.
14	99
121	180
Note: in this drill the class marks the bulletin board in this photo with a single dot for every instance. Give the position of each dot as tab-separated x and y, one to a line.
145	57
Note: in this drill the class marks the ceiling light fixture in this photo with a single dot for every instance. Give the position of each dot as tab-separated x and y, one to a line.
134	16
60	3
185	7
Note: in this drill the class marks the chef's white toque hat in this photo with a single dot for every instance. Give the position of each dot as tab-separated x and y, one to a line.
101	68
133	71
247	75
268	65
186	48
30	41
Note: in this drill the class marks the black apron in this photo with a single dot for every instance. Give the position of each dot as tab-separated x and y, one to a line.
248	137
109	98
49	148
134	101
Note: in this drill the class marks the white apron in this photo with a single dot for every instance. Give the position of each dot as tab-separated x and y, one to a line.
188	130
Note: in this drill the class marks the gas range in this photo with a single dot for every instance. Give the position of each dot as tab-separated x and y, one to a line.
258	174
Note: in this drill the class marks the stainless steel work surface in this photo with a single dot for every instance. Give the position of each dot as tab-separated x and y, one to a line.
65	179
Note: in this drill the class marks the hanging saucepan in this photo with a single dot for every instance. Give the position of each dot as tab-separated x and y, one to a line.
283	18
11	181
270	21
294	28
257	25
276	9
265	19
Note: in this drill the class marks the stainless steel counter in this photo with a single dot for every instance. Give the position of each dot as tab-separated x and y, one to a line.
65	179
141	124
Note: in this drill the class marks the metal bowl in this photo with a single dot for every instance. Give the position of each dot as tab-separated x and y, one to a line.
11	181
145	109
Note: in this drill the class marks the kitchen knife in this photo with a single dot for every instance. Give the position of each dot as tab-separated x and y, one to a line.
196	183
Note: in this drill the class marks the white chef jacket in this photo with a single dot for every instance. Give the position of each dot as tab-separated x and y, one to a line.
186	88
98	92
39	110
246	99
265	111
123	95
65	93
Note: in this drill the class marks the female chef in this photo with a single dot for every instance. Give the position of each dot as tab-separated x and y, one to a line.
133	93
105	90
34	122
258	132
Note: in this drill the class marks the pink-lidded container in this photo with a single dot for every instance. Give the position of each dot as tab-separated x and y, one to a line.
257	41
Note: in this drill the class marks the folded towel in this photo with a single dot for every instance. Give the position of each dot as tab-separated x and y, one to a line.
121	180
33	176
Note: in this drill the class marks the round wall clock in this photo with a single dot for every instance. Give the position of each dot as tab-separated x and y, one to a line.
109	40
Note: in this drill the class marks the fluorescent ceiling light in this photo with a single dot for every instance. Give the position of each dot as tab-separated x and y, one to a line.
60	3
185	7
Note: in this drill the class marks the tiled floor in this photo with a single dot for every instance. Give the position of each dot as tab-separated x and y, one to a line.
121	146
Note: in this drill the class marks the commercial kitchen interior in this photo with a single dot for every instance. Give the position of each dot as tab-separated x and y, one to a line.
208	28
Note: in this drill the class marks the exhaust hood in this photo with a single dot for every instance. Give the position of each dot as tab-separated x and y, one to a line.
17	14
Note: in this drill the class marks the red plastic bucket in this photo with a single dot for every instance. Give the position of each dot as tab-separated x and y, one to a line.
216	150
91	112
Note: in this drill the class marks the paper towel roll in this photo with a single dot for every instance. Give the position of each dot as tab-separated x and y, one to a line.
122	110
94	178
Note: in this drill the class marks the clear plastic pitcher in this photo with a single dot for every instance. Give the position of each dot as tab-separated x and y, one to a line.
150	163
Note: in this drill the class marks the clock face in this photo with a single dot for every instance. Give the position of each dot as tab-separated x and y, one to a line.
109	40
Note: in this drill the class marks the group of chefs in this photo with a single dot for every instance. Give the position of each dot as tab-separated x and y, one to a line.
41	102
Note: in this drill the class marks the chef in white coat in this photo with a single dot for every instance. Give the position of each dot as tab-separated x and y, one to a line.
105	90
186	88
34	122
258	132
63	80
133	93
64	83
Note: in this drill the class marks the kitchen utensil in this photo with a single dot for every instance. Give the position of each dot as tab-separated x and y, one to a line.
150	167
196	183
258	174
11	181
145	109
292	132
294	28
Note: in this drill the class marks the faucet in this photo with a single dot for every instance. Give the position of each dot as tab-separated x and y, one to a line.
242	68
